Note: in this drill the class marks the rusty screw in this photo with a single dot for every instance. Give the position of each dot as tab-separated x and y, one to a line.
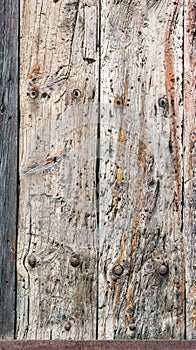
132	326
67	326
163	270
118	270
32	260
74	261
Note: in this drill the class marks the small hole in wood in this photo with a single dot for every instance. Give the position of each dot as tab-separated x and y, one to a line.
76	94
33	94
163	102
44	95
118	102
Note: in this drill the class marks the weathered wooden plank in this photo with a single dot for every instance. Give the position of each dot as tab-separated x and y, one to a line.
9	37
142	277
97	345
190	165
57	251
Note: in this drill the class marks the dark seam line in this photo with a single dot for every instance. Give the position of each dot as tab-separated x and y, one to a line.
182	142
98	165
17	179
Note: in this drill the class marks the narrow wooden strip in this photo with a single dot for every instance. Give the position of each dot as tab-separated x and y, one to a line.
57	252
190	165
142	279
9	13
98	345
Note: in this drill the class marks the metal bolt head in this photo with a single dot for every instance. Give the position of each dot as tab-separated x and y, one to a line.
32	260
74	261
118	270
163	270
132	326
67	326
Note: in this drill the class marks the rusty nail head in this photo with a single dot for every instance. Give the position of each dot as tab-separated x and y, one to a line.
74	261
118	270
32	260
163	270
132	326
67	326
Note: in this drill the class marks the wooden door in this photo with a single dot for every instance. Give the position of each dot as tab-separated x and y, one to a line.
105	242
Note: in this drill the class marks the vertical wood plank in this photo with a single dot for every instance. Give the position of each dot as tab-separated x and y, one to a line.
9	13
57	252
190	165
142	277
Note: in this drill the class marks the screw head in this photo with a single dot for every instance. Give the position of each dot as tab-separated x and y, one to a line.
67	326
118	270
74	261
163	270
132	326
32	260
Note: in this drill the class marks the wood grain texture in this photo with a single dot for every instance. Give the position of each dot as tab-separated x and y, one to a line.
96	345
190	165
57	172
141	171
9	38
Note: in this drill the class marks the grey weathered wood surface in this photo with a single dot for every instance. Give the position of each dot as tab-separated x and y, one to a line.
9	15
146	173
58	136
141	171
190	165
